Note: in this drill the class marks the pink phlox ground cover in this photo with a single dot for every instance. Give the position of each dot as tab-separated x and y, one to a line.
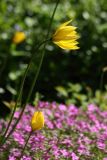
69	133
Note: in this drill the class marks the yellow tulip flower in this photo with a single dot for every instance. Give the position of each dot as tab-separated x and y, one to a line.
37	121
66	37
19	37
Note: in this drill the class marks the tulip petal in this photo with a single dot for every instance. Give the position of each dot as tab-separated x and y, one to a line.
62	33
67	45
65	24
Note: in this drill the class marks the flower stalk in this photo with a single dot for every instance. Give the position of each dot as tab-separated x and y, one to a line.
25	145
19	96
34	81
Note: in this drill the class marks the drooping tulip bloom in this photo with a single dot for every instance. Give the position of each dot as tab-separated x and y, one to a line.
66	37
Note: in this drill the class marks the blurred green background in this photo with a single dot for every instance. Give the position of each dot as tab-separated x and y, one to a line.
83	66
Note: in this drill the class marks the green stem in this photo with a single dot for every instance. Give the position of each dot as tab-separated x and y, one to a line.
36	76
51	20
101	81
43	54
29	95
25	145
20	92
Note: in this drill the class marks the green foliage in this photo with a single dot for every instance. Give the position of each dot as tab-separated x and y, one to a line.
32	17
82	95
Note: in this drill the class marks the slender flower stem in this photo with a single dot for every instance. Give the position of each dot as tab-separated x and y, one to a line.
51	20
43	53
25	145
20	93
29	95
36	76
101	81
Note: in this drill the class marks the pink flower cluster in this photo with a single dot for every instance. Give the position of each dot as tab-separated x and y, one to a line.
70	133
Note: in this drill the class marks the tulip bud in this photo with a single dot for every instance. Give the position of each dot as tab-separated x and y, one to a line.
19	37
37	121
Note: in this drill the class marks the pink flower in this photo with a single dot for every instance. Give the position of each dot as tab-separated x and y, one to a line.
64	152
74	156
62	107
101	145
